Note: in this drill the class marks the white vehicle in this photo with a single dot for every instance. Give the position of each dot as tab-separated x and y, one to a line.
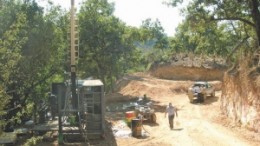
202	87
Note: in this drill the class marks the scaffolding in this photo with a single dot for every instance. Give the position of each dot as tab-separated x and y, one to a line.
88	119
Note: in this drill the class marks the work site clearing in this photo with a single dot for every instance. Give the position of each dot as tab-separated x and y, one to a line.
197	124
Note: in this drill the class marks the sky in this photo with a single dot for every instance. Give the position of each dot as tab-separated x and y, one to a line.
133	12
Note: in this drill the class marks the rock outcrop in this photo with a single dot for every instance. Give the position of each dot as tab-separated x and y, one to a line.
240	98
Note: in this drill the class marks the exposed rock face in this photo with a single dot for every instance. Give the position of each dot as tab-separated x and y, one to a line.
187	73
240	99
185	67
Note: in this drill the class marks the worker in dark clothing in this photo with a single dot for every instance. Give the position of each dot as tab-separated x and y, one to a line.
198	90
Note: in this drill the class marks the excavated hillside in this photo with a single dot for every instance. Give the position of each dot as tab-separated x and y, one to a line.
240	98
187	67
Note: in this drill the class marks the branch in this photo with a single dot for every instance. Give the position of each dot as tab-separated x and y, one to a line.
40	81
234	18
235	48
29	89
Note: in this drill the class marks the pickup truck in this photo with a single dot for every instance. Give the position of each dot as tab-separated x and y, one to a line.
202	87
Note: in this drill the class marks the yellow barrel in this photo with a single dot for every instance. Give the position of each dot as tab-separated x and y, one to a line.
136	126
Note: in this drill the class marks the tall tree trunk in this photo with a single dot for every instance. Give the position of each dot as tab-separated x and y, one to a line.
256	18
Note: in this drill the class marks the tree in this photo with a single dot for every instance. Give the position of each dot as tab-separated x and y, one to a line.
40	49
155	32
236	11
210	39
43	54
10	45
103	45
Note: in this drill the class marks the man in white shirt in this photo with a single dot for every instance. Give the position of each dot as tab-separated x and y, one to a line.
171	111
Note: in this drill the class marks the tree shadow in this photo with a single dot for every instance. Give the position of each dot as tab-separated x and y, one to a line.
208	100
109	138
133	77
177	129
97	140
150	124
159	108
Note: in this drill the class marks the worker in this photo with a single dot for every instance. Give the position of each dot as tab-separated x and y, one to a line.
200	95
171	111
197	90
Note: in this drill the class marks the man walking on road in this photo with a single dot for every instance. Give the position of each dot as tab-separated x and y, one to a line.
171	111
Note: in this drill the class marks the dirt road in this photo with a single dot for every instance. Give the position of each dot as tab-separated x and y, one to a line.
196	125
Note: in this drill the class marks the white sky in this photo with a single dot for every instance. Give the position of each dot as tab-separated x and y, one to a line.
133	12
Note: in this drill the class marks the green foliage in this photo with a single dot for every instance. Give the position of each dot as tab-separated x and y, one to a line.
11	42
106	44
173	2
214	27
205	39
154	31
206	17
32	49
42	56
33	141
